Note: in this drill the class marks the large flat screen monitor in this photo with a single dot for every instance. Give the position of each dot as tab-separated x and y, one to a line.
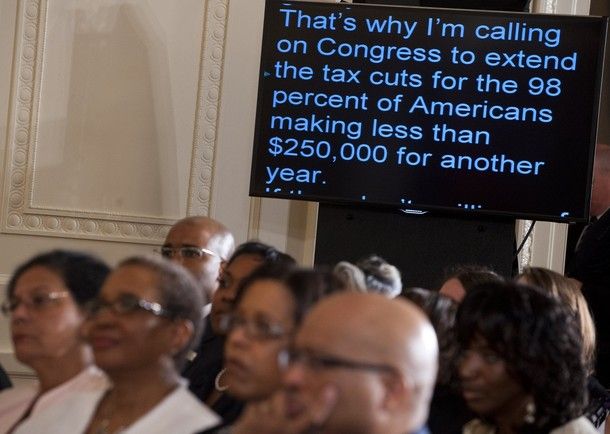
429	109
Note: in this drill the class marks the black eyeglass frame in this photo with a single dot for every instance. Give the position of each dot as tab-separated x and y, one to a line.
229	322
316	361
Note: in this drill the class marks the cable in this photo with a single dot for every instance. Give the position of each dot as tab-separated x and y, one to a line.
527	234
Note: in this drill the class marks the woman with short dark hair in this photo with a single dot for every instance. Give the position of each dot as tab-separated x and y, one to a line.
204	372
45	298
462	278
269	306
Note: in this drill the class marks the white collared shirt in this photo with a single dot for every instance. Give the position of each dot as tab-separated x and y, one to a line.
64	409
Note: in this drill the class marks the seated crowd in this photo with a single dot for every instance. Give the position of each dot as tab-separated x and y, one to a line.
208	338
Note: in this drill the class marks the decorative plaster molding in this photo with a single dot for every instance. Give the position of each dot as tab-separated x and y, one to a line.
255	218
525	256
544	6
208	104
19	216
550	6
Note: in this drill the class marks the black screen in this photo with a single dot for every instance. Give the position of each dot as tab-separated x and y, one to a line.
479	112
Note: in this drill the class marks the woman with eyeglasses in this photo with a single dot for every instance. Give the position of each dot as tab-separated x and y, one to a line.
269	306
45	298
205	371
145	321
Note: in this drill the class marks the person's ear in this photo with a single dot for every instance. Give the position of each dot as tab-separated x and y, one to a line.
182	333
397	391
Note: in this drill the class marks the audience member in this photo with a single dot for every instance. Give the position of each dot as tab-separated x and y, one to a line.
203	371
568	292
465	277
448	411
370	274
361	364
380	276
201	245
349	277
590	263
44	302
521	366
269	306
141	327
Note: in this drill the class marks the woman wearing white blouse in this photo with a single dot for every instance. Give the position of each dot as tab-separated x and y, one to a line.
44	304
142	326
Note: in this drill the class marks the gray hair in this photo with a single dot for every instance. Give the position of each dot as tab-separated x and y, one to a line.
179	295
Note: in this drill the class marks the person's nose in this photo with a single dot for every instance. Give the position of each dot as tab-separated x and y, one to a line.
294	375
228	294
102	317
20	312
238	337
469	365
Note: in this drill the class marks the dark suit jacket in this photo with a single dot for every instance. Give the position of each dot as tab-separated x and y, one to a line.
5	381
591	265
448	411
203	369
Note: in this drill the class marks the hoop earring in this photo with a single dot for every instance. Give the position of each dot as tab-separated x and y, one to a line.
530	412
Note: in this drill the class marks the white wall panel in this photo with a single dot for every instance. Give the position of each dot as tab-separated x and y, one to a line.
108	113
112	122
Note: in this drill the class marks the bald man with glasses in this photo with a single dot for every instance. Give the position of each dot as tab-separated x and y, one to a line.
360	364
201	245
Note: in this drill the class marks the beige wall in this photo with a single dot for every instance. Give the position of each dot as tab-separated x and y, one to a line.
112	127
118	117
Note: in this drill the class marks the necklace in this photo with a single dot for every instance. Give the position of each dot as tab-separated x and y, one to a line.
103	427
217	385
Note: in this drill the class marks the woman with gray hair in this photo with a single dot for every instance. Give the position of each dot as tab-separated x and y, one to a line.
146	319
370	274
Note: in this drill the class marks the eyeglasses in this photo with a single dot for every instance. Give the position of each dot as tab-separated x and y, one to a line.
256	329
37	302
187	252
124	305
318	362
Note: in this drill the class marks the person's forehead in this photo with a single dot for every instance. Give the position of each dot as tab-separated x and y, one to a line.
378	332
190	234
37	278
329	335
132	279
478	342
243	265
268	298
453	289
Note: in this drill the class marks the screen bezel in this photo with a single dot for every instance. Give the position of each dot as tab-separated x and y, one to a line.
337	199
